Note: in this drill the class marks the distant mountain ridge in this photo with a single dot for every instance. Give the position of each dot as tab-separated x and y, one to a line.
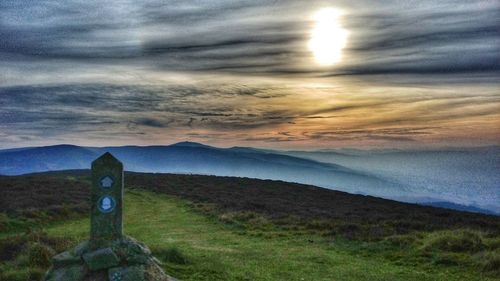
189	157
458	207
462	175
63	157
325	169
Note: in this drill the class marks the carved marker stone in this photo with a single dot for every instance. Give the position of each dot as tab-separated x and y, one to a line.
109	252
107	200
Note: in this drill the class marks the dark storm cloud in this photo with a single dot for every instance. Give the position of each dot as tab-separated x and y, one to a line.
388	134
266	37
95	97
403	134
151	122
137	106
45	110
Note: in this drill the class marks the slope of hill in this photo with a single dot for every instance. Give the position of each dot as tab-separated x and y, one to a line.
194	158
276	199
460	179
466	176
227	228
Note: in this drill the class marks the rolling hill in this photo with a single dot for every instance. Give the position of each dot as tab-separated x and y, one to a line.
232	228
194	158
465	176
464	180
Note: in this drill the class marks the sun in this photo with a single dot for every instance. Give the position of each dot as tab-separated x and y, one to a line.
328	38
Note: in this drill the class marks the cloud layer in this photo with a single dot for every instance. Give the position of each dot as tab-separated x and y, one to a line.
228	72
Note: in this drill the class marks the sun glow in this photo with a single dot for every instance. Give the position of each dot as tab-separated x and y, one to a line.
328	38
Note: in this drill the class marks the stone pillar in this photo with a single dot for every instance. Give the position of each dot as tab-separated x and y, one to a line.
108	252
106	220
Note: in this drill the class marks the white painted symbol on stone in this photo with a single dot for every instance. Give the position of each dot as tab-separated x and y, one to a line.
106	204
106	182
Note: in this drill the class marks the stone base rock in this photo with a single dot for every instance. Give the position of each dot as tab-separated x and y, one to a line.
125	259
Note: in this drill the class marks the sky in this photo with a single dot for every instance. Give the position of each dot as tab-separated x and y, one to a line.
274	74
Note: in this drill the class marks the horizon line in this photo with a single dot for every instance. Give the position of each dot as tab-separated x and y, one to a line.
428	148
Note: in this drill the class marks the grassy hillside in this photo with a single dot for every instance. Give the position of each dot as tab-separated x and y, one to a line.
213	228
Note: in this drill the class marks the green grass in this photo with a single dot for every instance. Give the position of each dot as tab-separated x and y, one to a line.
196	246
